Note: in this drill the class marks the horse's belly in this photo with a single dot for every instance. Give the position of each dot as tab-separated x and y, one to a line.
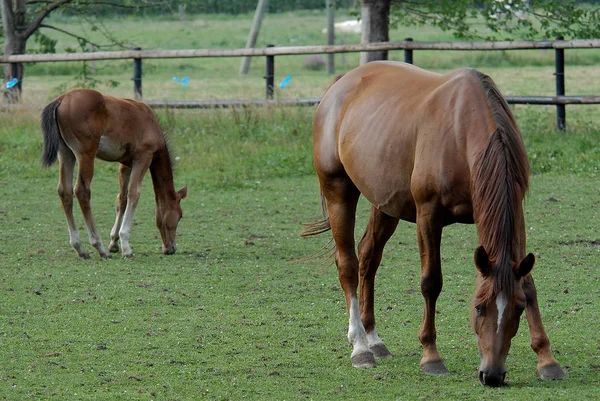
392	196
110	149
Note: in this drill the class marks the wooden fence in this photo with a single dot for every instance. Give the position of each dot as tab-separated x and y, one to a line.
409	46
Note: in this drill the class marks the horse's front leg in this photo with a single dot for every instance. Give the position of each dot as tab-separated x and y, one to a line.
84	194
120	205
370	249
429	234
137	173
548	368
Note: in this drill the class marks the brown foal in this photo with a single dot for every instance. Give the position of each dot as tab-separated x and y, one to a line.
82	125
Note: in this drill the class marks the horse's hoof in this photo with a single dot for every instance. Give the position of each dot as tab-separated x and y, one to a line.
380	351
365	359
84	255
107	256
128	255
434	368
113	248
551	372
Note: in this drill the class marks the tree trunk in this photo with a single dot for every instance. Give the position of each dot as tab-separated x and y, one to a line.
375	15
13	20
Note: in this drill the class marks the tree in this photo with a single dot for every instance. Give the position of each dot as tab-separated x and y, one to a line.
503	19
17	30
22	20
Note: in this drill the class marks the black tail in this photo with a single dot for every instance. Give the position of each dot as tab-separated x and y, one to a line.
51	133
320	226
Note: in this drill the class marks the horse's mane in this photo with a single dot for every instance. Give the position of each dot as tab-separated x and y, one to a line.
500	181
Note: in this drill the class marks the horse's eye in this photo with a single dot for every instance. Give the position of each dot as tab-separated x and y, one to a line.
479	310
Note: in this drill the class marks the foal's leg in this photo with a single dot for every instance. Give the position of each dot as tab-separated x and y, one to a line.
429	234
120	205
547	366
137	173
342	197
84	194
66	162
370	249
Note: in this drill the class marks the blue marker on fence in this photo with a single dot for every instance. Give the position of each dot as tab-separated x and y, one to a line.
184	81
11	83
285	81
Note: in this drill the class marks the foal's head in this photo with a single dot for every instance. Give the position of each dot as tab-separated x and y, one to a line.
167	218
495	313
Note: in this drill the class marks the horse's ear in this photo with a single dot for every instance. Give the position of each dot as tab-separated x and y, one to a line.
182	193
482	261
525	266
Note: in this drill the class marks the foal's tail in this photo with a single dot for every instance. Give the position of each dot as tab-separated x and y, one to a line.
51	133
317	227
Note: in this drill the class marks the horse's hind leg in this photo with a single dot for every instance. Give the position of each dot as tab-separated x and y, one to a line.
84	193
370	249
342	197
429	235
120	205
547	366
66	161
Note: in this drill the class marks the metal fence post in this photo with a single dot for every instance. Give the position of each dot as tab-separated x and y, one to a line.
270	75
408	53
137	76
561	113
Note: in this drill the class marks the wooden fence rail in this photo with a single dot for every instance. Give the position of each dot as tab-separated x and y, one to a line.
408	45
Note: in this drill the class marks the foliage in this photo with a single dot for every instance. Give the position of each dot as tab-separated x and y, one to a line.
315	63
503	19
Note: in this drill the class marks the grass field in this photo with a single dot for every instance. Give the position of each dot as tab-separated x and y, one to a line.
241	311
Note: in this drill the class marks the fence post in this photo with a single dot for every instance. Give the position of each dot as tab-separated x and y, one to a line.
561	113
270	75
137	76
408	53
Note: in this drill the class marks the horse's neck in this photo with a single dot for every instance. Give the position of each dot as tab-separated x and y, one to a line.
162	178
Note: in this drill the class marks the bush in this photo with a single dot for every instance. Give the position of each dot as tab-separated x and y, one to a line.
315	63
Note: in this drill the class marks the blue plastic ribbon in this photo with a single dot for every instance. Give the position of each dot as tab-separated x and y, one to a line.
184	81
12	83
285	81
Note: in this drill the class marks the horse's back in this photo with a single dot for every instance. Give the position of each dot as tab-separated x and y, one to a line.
114	128
401	134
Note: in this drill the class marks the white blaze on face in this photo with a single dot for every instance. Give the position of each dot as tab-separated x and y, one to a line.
500	305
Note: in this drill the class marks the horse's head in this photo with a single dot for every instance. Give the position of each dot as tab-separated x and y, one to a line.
495	315
167	218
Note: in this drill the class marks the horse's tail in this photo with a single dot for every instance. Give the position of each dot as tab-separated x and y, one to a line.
317	227
51	133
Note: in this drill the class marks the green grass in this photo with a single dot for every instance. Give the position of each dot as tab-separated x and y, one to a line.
239	311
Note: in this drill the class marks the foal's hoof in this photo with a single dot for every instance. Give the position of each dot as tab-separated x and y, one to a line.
380	351
106	256
434	368
113	247
551	372
84	255
365	359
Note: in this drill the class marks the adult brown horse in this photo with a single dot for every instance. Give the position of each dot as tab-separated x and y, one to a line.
435	150
83	124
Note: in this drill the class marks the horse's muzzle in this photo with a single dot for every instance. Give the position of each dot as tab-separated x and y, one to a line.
169	250
492	379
